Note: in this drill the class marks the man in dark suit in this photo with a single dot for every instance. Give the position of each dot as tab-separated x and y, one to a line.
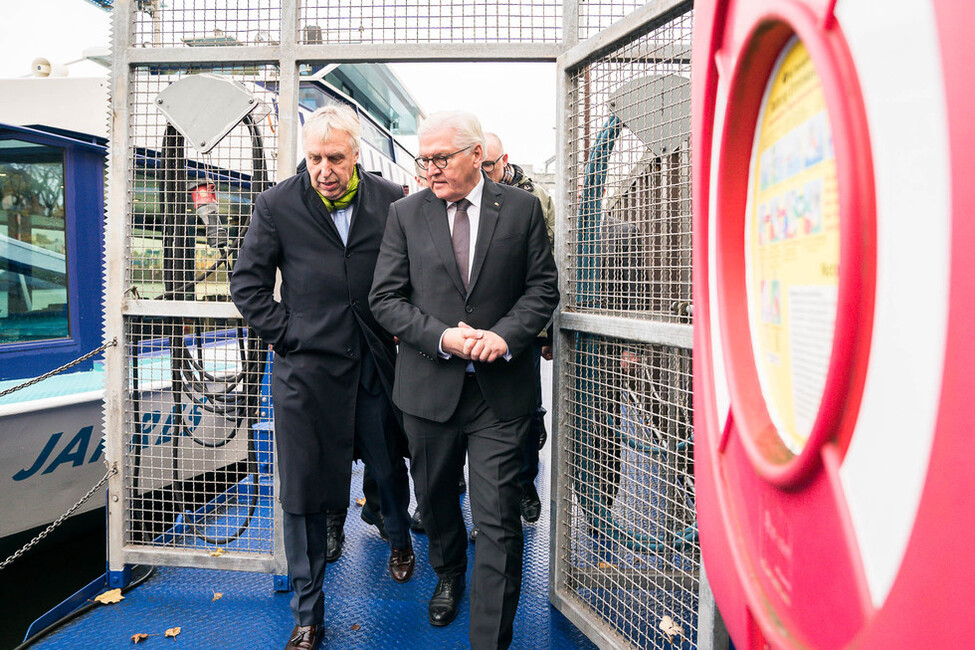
466	280
333	363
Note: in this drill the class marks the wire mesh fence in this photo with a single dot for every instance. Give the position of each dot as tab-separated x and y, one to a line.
198	469
189	210
430	21
199	23
597	15
202	23
628	557
626	442
629	211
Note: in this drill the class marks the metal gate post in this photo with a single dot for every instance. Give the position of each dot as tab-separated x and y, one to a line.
115	236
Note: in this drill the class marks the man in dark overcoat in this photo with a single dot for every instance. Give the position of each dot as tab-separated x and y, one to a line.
466	280
333	363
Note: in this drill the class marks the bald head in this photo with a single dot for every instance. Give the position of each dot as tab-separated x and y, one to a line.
495	159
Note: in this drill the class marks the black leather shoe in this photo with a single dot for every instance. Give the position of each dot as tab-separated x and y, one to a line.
531	507
305	637
416	523
374	518
473	534
401	563
446	598
335	538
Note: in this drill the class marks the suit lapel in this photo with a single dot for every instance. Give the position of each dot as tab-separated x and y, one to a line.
435	211
488	220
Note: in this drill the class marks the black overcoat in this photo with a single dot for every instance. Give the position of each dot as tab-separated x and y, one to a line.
320	329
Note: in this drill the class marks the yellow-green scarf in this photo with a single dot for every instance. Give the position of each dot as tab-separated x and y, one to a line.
346	199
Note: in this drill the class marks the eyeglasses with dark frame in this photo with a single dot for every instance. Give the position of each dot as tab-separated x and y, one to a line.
440	160
488	165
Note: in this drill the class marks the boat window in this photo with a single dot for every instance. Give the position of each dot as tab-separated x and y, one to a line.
33	269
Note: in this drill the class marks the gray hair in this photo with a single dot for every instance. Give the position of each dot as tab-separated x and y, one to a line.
467	128
339	117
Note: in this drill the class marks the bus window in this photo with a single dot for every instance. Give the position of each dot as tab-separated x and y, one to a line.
374	136
33	269
403	157
312	98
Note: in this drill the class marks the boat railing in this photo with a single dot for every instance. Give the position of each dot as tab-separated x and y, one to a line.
57	371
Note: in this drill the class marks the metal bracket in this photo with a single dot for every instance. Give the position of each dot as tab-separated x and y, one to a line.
205	107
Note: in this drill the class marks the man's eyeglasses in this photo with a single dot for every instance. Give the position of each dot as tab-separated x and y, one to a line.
488	165
440	160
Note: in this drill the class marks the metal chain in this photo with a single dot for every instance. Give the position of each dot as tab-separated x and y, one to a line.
57	522
56	371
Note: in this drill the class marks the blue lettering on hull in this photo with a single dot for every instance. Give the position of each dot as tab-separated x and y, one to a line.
74	452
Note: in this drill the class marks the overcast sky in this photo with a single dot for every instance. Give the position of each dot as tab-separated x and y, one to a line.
516	100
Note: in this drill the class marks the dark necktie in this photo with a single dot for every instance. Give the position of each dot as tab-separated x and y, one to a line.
461	238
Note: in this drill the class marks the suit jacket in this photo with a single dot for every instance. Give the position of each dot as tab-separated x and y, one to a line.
417	293
326	340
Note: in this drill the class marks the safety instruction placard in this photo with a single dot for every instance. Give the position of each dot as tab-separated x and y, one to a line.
792	245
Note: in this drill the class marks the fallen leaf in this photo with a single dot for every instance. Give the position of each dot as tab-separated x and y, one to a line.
355	627
217	596
361	501
140	636
605	565
217	553
670	628
109	597
173	632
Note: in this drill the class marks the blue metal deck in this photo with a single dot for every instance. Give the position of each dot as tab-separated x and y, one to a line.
364	608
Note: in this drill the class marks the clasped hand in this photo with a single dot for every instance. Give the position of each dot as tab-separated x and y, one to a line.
473	344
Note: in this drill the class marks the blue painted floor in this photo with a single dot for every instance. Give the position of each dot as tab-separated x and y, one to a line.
364	607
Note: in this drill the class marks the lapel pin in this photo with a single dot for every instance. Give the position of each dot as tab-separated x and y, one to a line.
497	205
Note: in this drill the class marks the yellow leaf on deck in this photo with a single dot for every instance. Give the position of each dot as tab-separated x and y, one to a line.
140	636
109	597
173	632
361	501
217	596
355	627
670	628
217	553
605	565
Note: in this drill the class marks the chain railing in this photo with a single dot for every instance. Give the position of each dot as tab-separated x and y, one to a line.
80	502
57	522
57	371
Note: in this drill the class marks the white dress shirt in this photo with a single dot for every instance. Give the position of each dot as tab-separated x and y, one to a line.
473	217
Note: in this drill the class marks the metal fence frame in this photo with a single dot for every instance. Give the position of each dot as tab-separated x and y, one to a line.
289	53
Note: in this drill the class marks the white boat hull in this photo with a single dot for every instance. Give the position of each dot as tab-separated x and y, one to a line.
50	456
